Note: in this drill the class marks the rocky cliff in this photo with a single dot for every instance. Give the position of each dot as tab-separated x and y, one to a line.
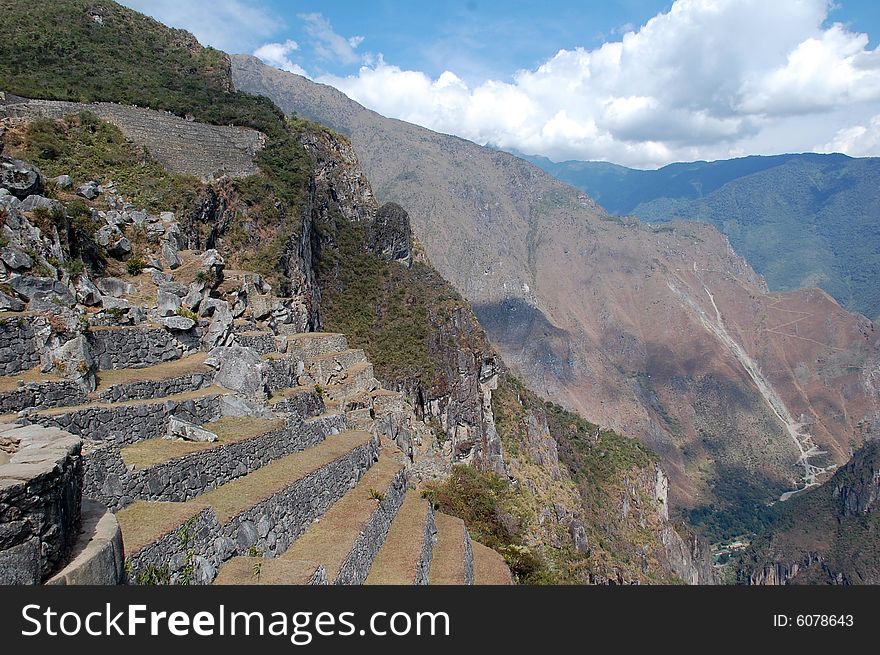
825	536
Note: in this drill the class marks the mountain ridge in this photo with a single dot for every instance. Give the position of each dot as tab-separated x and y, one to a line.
801	220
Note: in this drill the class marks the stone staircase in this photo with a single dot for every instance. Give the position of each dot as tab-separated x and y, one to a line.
300	484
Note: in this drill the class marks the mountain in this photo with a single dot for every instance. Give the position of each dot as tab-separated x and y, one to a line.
659	332
801	220
243	266
830	535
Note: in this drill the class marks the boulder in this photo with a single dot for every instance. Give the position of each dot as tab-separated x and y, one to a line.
186	431
108	234
178	323
31	203
220	329
89	190
169	254
86	292
113	286
62	182
42	289
76	363
153	262
239	369
19	178
15	258
121	249
10	303
262	306
113	303
168	303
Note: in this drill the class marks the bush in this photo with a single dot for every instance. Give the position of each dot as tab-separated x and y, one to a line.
135	266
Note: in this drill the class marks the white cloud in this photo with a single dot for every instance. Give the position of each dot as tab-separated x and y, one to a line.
223	24
278	55
856	140
707	79
327	43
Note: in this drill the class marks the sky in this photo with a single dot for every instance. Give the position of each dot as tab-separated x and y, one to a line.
641	83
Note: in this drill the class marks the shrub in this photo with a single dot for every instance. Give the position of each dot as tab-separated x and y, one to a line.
135	266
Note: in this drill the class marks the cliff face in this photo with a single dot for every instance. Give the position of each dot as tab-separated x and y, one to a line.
592	503
825	536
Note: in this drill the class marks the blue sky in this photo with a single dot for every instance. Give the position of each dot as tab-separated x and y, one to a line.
638	82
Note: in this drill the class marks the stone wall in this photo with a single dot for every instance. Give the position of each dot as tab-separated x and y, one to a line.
270	527
182	146
356	567
468	558
18	349
132	347
130	422
40	501
427	548
264	342
197	539
150	389
305	404
42	395
275	523
283	373
108	480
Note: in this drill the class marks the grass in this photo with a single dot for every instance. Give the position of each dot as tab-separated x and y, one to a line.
398	558
236	496
87	148
143	523
447	562
265	571
229	430
489	566
9	383
332	539
175	368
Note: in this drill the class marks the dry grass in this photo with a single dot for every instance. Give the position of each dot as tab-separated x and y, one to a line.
489	566
9	383
281	394
190	265
447	562
143	522
232	498
180	397
398	559
164	371
332	539
265	571
152	452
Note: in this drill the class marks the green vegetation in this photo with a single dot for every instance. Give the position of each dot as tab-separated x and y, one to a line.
482	501
87	148
135	266
743	506
395	314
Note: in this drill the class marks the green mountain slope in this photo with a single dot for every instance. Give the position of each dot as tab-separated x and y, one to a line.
800	220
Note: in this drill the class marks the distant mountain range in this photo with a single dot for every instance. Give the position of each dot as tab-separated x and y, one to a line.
800	220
